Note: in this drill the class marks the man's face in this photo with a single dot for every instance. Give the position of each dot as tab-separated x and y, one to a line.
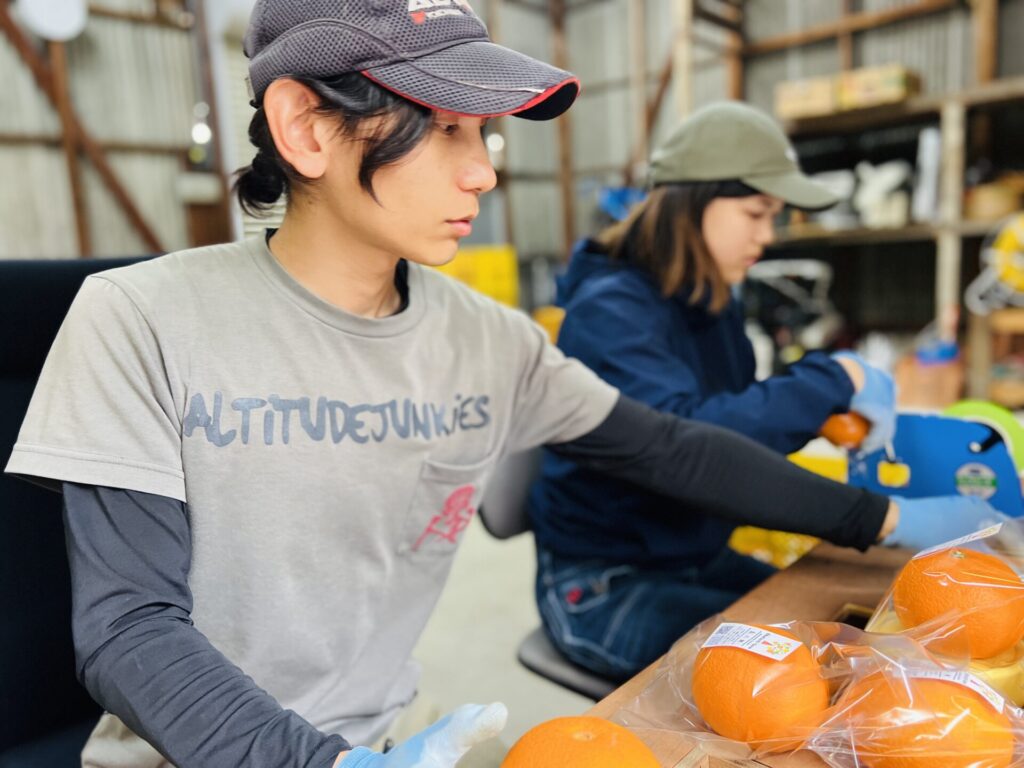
426	202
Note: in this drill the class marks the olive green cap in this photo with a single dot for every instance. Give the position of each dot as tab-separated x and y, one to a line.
731	140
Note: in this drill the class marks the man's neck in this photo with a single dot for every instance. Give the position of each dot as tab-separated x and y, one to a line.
335	267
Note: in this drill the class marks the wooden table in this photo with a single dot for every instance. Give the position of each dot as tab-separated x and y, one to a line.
815	588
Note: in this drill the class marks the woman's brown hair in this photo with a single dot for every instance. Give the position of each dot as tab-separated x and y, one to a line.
663	235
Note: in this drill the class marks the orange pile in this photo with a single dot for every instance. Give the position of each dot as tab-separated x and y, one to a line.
764	702
580	742
920	723
980	594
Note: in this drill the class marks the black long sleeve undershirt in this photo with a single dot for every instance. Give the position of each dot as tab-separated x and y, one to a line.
725	474
140	656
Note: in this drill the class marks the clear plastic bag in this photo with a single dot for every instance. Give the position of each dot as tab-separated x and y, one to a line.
964	602
914	714
744	690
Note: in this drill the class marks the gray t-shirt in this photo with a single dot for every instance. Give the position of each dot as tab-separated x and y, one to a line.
330	462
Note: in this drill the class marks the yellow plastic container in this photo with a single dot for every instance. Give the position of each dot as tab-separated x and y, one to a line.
1005	672
779	548
550	319
491	269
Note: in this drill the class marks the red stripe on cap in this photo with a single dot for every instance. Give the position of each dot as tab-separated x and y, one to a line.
540	98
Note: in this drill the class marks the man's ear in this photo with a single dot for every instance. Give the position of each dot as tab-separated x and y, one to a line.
299	132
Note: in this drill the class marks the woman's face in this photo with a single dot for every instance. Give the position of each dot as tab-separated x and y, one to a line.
426	202
737	230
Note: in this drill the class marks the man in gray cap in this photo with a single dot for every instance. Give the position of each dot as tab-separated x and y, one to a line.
323	634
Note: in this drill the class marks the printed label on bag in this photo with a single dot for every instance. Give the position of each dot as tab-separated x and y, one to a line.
748	638
983	534
964	679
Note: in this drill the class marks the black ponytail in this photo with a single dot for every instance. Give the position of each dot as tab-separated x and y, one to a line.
352	99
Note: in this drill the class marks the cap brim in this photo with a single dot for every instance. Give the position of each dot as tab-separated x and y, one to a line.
795	189
481	79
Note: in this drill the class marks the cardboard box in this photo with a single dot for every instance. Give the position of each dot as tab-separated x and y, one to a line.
796	99
876	86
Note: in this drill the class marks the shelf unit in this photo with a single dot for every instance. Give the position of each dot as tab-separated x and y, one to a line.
951	229
991	337
810	235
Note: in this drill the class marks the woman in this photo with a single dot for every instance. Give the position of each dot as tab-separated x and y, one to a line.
650	307
269	449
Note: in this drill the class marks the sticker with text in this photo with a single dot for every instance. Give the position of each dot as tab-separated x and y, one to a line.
966	680
760	641
978	535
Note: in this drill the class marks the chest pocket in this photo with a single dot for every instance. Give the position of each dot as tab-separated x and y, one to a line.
445	502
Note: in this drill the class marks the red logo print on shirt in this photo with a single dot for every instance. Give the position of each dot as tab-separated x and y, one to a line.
453	519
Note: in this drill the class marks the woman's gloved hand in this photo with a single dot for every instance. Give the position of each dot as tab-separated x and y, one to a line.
928	522
441	745
875	400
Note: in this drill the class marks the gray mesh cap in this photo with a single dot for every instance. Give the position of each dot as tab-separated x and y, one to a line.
432	52
731	140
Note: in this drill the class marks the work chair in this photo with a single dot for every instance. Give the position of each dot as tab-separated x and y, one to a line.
503	512
46	715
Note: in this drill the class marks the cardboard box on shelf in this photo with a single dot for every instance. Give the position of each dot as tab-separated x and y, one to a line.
796	99
876	86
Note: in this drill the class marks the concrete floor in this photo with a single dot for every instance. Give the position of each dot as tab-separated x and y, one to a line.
468	650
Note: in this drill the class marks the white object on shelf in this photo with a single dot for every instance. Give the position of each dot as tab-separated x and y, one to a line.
925	206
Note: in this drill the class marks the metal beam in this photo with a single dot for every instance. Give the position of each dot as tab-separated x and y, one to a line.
848	24
702	13
69	141
846	40
985	19
638	84
537	7
55	141
682	51
156	19
44	79
561	60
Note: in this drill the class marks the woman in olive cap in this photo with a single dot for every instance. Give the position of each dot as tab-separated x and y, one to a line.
650	307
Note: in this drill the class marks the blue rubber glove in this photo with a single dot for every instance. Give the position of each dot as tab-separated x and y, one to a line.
876	402
928	522
441	745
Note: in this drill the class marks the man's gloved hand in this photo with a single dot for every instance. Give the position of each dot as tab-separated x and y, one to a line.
928	522
875	401
441	745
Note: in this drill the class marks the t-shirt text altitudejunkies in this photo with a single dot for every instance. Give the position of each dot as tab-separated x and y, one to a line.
338	420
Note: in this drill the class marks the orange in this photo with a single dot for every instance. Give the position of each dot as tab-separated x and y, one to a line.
847	430
580	742
764	702
898	722
978	592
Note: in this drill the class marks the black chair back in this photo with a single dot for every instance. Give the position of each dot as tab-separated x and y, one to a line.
39	694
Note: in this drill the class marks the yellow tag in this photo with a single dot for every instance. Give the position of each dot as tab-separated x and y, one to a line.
893	475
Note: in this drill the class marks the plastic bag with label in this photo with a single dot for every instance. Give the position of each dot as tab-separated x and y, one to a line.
964	602
914	714
741	690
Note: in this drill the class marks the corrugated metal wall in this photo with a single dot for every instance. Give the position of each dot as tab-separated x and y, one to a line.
130	83
604	124
136	84
939	46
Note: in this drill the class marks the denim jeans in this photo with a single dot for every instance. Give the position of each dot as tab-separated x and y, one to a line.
615	620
